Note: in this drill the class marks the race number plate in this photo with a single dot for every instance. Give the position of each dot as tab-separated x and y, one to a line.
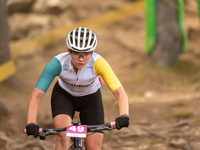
77	131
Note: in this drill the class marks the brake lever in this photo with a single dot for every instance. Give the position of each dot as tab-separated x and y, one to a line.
42	136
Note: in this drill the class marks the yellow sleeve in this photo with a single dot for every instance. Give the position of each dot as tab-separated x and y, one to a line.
102	68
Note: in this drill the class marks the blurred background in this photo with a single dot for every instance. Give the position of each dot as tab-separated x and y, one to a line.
152	46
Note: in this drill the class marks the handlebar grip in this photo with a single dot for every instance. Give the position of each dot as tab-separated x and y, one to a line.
40	130
112	124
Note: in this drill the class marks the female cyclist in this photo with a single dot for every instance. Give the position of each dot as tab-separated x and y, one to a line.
77	89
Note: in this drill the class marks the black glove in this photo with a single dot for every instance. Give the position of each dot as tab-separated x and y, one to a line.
32	129
122	121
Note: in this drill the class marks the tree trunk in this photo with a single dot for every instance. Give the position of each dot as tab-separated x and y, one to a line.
169	36
4	40
7	68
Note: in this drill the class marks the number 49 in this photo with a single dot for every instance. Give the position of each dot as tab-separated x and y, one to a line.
76	128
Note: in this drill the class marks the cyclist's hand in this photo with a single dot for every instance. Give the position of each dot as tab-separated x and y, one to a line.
122	121
32	129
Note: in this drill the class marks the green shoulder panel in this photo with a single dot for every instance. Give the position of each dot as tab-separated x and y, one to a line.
51	70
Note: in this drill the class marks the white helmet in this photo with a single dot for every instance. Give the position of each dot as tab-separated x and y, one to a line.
81	40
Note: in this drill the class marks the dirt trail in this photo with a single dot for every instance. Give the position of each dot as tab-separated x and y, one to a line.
164	102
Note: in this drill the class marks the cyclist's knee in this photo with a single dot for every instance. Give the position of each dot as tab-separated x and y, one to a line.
61	137
94	142
62	142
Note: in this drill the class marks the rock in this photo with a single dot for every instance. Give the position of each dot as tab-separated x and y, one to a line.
3	111
32	25
3	140
51	6
7	143
195	145
143	122
180	124
143	146
149	94
40	6
181	143
23	6
133	131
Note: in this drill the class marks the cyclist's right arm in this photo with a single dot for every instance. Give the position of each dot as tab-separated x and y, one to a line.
35	97
51	70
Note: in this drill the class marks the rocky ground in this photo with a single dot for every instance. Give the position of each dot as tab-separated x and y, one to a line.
164	102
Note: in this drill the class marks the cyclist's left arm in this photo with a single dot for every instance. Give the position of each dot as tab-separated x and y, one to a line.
122	97
103	69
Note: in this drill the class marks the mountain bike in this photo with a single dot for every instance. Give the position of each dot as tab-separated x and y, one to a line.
76	132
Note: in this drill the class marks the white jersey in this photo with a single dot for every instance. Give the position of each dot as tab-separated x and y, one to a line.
86	81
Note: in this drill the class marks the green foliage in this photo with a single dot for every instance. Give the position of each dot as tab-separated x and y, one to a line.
184	75
156	141
196	119
185	67
182	113
178	104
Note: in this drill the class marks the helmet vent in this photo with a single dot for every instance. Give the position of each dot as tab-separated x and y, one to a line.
81	39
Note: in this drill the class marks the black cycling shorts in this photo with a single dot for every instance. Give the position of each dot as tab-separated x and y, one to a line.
90	106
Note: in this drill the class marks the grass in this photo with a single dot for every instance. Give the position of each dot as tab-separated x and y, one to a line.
178	104
156	141
182	76
195	119
185	67
182	113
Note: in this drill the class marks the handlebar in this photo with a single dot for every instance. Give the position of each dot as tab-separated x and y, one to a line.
106	126
43	132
